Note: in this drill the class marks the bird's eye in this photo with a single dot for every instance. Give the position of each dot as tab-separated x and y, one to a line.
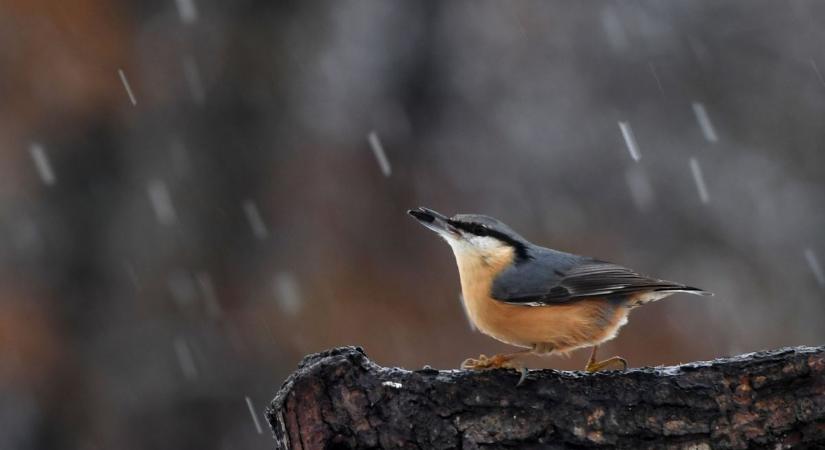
480	230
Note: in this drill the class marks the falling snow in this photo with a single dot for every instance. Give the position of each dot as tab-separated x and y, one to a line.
185	359
187	11
256	222
254	416
704	121
41	163
696	170
378	150
656	77
617	36
816	268
193	79
161	202
182	288
132	273
817	72
630	140
287	293
209	295
126	85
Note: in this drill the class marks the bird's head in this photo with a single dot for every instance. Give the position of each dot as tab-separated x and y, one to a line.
474	236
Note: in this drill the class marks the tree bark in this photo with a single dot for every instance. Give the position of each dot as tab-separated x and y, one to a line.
339	399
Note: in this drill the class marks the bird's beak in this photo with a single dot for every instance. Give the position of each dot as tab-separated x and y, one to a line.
435	221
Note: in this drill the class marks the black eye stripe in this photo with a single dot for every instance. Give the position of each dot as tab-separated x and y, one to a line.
482	230
474	228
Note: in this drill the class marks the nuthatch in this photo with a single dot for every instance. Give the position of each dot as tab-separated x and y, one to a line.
543	300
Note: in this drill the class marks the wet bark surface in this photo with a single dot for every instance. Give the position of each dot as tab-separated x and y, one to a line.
339	399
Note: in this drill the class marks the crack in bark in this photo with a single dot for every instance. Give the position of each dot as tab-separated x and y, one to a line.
298	425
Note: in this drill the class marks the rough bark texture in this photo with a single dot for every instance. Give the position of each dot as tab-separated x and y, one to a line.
339	399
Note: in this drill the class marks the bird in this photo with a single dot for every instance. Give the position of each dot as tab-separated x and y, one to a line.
542	300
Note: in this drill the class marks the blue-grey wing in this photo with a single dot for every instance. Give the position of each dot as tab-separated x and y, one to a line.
531	281
555	277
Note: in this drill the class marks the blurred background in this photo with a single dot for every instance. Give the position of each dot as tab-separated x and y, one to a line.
194	194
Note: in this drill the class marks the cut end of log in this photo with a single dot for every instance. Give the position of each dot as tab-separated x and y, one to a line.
340	399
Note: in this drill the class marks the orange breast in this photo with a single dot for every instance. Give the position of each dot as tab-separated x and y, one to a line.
565	327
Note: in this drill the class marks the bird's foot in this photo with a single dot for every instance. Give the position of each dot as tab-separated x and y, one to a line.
500	361
484	362
593	366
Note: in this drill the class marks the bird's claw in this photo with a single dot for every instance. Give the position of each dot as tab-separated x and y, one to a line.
523	376
480	363
593	366
484	362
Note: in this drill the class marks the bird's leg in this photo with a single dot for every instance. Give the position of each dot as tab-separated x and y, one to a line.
593	366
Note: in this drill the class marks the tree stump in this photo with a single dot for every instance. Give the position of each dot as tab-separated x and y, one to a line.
339	399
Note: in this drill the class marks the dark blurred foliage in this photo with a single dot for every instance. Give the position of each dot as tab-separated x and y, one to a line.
163	261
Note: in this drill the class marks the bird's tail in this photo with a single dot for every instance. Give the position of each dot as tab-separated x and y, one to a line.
663	290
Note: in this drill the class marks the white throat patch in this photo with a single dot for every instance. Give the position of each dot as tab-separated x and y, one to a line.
473	244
